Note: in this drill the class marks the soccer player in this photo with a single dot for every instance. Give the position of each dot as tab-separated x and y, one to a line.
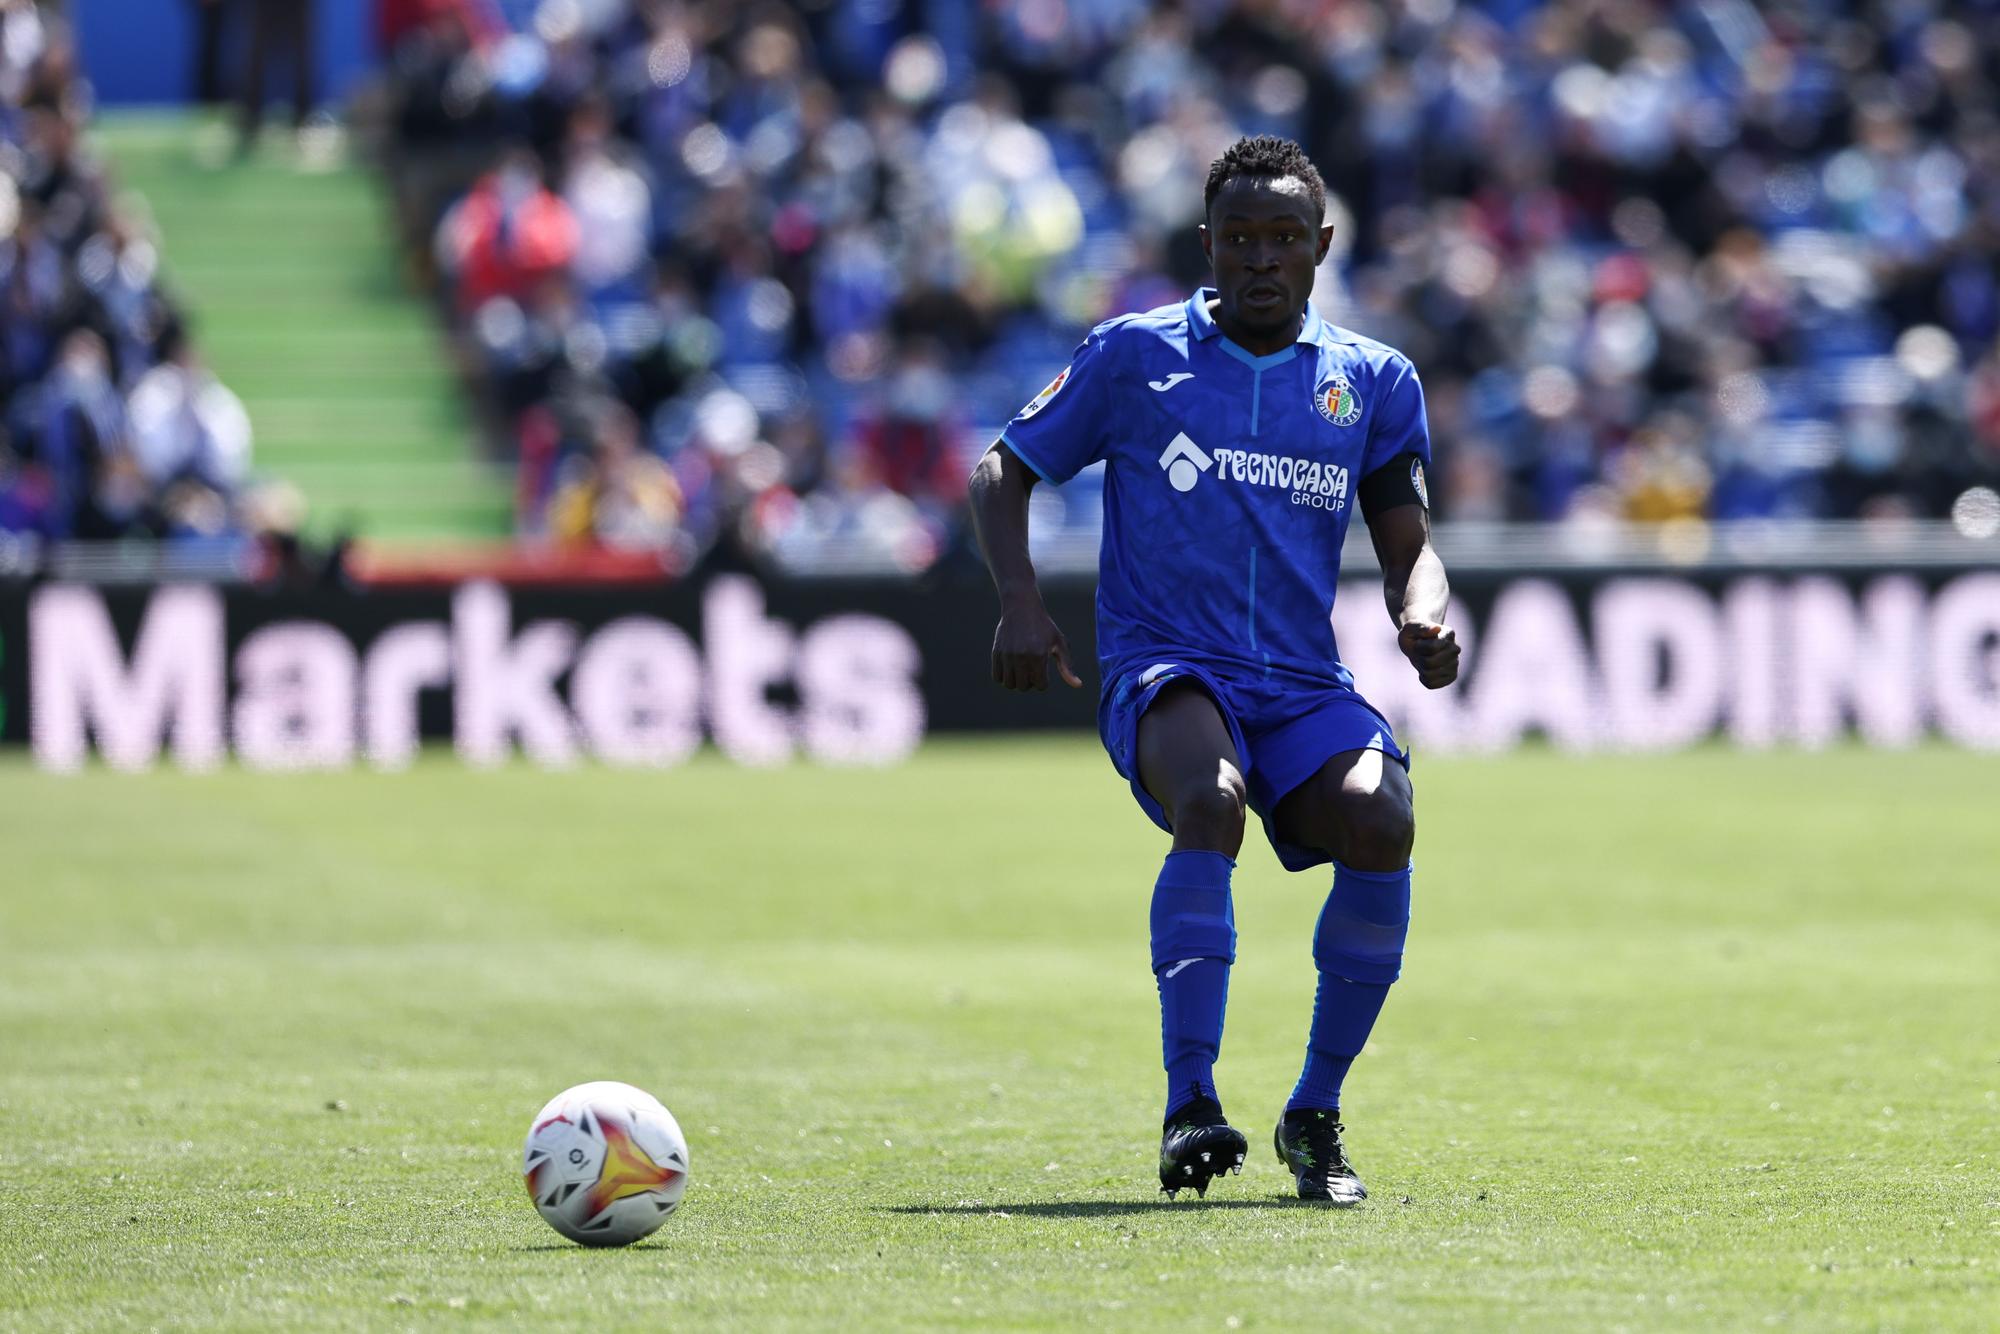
1239	432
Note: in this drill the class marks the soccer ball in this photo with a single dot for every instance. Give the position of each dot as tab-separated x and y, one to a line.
605	1163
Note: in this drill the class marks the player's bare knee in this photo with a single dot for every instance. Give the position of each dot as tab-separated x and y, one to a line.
1377	830
1208	813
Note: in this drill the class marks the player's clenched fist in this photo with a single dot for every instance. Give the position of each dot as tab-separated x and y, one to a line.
1432	649
1022	645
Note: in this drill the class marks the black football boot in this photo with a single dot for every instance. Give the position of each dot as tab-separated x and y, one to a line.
1198	1145
1308	1142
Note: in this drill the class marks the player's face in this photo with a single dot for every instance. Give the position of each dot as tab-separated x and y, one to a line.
1263	240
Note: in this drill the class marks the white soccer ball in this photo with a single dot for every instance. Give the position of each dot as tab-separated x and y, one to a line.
605	1163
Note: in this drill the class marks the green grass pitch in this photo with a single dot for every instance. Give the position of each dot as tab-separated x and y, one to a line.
1702	1042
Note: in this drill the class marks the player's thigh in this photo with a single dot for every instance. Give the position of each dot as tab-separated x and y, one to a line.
1185	750
1359	807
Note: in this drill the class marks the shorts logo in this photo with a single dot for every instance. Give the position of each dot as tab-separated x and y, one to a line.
1185	462
1041	400
1337	402
1417	481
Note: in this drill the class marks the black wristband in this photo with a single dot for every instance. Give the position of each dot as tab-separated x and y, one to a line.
1400	481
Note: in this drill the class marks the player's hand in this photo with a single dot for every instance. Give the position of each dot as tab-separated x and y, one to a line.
1432	649
1023	644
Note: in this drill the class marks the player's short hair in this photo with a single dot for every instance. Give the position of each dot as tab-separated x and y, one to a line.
1268	157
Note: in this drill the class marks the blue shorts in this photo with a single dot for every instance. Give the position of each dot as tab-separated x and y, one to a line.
1284	733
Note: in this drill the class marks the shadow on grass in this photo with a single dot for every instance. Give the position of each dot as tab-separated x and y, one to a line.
1100	1208
590	1250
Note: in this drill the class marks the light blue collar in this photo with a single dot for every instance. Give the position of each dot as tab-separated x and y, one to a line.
1204	327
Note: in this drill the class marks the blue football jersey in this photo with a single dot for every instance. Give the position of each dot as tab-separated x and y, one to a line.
1229	481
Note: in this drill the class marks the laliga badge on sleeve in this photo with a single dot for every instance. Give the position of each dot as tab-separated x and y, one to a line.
1041	400
1417	481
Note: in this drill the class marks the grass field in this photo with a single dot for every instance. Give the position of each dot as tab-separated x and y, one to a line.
1707	1042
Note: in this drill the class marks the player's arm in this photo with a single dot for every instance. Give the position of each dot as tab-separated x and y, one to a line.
1027	636
1413	578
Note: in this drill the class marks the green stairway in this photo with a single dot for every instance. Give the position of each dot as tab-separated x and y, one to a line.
293	283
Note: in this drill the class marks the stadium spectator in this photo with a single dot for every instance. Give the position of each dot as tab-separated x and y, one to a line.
213	27
187	427
397	21
1656	262
910	443
281	37
109	425
617	495
611	203
94	486
507	236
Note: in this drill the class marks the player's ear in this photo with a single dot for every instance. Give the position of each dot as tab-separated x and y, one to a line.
1207	243
1325	243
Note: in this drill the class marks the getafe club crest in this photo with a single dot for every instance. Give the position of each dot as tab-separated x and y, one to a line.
1338	403
1041	400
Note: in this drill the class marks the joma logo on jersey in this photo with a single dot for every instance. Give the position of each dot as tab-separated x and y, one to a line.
1312	483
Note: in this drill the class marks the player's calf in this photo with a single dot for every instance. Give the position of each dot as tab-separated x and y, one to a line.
1358	949
1193	944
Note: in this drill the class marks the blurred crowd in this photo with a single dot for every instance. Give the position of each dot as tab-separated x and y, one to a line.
777	271
110	425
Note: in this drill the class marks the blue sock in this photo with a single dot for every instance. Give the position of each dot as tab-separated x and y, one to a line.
1358	948
1194	942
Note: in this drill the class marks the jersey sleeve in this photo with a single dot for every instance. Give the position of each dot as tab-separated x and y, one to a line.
1400	425
1066	428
